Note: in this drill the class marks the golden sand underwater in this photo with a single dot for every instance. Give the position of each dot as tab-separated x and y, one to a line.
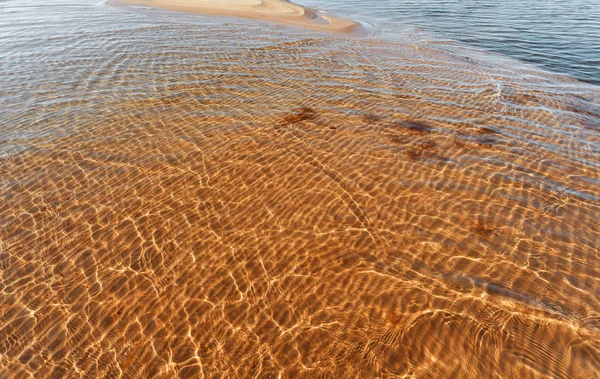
200	199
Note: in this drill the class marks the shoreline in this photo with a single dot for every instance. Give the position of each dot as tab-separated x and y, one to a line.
277	11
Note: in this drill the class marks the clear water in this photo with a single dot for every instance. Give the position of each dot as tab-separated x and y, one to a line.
188	196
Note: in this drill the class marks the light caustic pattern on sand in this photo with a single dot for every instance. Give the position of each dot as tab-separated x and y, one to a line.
294	206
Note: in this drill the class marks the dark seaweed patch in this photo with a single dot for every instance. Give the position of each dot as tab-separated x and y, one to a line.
370	118
427	149
416	127
299	115
483	229
486	142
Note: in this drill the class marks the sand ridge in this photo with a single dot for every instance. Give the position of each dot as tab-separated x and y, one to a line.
280	11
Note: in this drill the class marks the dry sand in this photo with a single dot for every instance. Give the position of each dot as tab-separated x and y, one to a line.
280	11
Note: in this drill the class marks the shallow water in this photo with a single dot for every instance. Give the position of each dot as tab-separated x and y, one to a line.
185	196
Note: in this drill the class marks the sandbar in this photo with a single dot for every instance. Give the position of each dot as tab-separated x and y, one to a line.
279	11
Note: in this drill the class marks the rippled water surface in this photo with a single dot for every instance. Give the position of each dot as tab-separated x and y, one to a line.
562	36
187	196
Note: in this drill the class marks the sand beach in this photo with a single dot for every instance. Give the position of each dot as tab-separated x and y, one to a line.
280	11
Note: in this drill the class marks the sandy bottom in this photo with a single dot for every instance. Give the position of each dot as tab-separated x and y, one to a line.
171	206
279	11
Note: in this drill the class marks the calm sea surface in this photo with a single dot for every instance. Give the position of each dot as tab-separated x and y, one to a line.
190	196
561	36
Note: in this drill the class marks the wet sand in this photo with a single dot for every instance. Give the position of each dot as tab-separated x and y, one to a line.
280	11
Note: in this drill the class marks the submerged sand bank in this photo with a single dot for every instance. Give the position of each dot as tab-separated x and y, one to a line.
279	11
